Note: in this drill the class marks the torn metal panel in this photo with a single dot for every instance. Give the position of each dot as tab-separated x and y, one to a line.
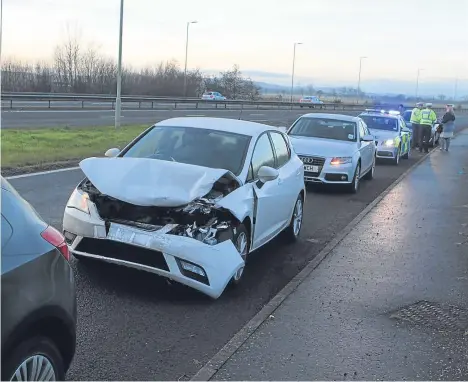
239	202
151	182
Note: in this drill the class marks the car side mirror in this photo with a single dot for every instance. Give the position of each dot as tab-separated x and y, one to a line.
367	138
112	153
267	174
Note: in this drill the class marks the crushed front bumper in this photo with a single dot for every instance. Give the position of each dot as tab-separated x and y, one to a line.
157	251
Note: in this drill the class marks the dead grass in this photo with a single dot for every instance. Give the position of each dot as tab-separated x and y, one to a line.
23	147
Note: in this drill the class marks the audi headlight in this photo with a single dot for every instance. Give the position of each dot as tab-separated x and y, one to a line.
79	200
389	142
341	160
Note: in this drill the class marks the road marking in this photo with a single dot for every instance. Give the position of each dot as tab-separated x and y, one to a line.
195	115
41	173
257	114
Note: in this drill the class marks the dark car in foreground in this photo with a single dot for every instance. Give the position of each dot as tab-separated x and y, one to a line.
38	294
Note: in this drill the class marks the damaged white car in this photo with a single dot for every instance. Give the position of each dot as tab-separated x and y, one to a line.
188	199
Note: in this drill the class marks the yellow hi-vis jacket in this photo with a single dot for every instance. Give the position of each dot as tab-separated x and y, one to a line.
428	117
416	115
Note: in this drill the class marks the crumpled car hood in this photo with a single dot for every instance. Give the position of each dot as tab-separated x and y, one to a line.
151	182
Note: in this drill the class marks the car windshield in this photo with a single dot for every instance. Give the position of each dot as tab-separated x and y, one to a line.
324	128
380	123
201	147
407	115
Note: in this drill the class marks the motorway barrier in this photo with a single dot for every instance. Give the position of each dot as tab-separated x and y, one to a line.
89	101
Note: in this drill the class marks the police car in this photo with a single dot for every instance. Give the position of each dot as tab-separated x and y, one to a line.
392	136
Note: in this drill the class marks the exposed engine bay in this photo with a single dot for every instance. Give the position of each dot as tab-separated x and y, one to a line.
199	219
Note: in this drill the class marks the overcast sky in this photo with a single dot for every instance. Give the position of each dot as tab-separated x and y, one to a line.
397	36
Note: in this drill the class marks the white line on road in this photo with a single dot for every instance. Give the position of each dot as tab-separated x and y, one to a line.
195	115
257	114
41	173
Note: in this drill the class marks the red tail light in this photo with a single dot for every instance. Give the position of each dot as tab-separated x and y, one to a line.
54	237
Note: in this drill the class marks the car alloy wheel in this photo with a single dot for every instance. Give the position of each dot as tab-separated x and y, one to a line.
242	247
297	217
35	368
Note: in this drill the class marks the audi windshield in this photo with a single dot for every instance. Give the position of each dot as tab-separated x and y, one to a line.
324	128
380	123
201	147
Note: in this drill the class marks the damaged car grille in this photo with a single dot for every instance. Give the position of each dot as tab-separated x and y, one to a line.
122	251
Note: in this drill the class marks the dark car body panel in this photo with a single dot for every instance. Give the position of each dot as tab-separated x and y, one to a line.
37	281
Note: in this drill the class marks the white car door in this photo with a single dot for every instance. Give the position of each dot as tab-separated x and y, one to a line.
290	177
268	218
365	149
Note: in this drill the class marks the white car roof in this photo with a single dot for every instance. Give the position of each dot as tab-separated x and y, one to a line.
339	117
252	129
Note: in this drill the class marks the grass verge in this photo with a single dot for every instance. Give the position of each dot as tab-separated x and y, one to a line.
23	147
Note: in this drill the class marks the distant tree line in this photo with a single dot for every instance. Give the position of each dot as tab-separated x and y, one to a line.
78	70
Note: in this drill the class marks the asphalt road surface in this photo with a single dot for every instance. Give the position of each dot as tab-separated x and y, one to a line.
58	118
77	118
135	326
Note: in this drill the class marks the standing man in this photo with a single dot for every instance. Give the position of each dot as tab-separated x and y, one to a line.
428	118
415	121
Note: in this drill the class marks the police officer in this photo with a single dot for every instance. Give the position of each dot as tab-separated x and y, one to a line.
428	118
415	120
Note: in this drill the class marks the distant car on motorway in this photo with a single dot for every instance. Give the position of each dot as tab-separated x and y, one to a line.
310	101
335	149
213	96
38	295
189	199
392	136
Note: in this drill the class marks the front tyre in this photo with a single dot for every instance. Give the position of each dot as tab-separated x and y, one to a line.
353	188
34	359
241	242
291	233
396	160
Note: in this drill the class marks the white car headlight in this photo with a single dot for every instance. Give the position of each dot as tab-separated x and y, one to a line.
389	142
79	200
341	160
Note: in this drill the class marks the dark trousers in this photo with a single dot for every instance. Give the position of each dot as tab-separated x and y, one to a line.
425	136
415	141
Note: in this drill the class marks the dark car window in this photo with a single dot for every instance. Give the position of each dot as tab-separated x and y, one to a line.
380	123
324	128
281	149
407	115
262	155
202	147
7	231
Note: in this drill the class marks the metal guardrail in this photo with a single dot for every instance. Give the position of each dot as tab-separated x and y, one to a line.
17	100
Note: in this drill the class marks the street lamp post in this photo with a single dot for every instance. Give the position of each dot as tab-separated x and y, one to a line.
359	77
455	90
293	66
186	52
118	102
417	82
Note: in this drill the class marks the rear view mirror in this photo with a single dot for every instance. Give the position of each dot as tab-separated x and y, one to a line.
112	153
367	138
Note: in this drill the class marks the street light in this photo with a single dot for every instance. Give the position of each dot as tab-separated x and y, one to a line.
294	62
119	70
417	82
359	78
186	51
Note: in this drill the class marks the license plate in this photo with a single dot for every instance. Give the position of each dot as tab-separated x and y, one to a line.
128	235
308	167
